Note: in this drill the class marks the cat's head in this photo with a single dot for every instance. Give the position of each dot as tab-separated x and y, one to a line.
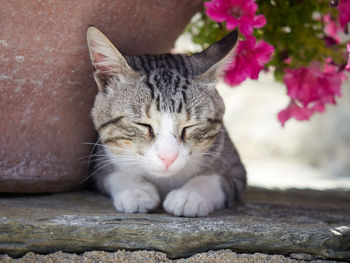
161	113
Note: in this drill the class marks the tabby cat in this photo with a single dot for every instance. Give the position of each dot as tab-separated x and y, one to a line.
162	140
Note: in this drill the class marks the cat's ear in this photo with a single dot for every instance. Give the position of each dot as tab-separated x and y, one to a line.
211	63
108	62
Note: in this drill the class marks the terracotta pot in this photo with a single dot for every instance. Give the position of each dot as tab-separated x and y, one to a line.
46	83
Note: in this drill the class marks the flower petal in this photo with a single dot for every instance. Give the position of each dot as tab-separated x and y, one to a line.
347	67
311	87
259	21
344	12
249	60
236	13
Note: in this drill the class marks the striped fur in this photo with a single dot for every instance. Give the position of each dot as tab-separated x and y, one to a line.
136	93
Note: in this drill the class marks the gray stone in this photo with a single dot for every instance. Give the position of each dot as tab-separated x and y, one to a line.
274	222
220	256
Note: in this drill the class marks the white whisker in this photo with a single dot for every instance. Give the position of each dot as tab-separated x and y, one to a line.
90	175
92	150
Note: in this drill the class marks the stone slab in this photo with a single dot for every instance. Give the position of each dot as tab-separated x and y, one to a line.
143	256
275	222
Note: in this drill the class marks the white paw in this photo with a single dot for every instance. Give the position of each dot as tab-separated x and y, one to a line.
182	202
140	199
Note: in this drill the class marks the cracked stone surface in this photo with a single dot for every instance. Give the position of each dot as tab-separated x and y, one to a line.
313	224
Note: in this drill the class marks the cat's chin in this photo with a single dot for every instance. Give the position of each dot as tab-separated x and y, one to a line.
164	173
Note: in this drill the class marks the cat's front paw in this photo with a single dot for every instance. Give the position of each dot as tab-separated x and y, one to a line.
182	202
141	199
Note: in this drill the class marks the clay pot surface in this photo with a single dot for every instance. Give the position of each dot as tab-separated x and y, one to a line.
46	84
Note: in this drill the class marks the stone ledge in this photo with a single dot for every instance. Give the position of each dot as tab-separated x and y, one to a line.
220	256
275	222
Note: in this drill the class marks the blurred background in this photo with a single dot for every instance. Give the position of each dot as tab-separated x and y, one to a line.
310	154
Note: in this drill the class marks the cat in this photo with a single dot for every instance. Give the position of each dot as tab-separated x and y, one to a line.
161	134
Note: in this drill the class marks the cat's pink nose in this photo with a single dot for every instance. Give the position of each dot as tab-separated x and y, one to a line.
168	157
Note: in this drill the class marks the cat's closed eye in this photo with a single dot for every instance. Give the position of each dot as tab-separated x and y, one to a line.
185	131
204	132
148	127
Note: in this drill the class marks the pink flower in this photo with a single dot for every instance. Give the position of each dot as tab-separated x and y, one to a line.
293	110
347	67
331	28
249	60
310	89
236	13
344	12
287	60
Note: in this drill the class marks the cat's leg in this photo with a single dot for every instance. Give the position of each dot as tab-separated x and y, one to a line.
200	196
130	193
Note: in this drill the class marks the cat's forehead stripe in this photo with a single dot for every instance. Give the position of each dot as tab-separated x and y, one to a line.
157	79
147	63
150	86
144	65
183	65
172	62
177	83
179	109
167	79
